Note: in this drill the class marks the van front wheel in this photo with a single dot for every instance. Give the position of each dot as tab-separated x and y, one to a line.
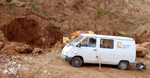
76	62
123	65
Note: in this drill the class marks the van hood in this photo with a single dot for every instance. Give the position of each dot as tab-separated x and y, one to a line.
66	49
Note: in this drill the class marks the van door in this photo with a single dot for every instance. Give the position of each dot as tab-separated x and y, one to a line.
88	50
105	50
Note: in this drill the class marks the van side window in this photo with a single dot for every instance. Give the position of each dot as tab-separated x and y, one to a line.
106	43
88	42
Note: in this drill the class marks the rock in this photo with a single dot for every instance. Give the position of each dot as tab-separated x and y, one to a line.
59	74
2	45
43	39
37	51
23	49
45	71
8	49
13	71
141	51
5	71
2	37
12	63
14	48
19	65
49	73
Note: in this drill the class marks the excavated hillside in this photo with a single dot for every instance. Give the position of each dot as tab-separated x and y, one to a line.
41	23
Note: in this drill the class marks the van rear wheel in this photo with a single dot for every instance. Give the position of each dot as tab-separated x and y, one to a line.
123	65
76	62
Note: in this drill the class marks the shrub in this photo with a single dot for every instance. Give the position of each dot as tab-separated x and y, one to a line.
100	11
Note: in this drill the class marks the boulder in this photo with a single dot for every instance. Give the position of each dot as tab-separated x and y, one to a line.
141	51
37	50
14	48
23	49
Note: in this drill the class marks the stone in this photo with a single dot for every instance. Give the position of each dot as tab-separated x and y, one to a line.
2	37
24	49
1	44
13	71
37	51
5	71
141	51
14	48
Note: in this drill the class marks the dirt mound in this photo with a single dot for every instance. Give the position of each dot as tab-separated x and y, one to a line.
28	31
141	51
22	30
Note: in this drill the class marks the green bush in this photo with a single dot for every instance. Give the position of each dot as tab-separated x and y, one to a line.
100	11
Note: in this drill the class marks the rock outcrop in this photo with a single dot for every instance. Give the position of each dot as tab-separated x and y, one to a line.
141	51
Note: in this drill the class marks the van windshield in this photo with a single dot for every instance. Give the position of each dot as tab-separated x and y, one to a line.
75	41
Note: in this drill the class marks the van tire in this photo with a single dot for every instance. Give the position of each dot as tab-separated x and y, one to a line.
76	62
123	65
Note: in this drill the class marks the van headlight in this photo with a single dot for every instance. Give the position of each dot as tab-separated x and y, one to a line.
65	55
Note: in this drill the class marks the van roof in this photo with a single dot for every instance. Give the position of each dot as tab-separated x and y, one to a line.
108	37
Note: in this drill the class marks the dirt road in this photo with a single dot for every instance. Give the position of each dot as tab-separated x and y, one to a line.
50	65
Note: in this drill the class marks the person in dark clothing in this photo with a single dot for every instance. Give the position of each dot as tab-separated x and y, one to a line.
91	41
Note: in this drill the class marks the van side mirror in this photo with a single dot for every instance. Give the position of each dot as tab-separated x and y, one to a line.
79	45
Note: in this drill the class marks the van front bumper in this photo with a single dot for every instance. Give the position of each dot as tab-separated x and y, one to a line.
66	58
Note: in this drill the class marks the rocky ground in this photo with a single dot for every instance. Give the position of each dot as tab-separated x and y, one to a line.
51	65
47	63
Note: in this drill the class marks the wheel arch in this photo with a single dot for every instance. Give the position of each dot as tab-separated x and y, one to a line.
79	57
124	61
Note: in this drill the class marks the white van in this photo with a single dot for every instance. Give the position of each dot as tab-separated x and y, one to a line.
114	50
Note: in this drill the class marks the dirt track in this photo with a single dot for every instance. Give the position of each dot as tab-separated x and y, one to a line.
50	65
